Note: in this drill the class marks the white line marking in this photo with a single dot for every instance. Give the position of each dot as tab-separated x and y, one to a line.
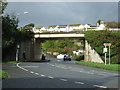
64	68
37	73
42	75
50	77
100	86
52	65
63	79
79	82
21	67
31	72
31	66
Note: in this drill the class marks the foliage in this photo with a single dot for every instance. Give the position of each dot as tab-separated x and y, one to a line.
9	62
11	35
78	57
3	74
61	46
3	5
28	27
114	67
98	38
113	24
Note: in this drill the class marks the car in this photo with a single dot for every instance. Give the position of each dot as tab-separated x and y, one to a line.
60	56
67	57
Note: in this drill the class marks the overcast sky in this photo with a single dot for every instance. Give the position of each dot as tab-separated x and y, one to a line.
60	13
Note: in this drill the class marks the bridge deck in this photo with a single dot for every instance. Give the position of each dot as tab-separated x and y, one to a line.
53	36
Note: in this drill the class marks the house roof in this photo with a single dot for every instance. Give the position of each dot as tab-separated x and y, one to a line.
74	24
38	27
93	26
62	26
52	26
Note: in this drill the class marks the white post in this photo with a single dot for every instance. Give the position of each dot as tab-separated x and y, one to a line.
17	52
109	54
105	56
17	55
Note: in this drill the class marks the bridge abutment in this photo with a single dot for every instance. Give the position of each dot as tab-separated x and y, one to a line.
37	50
32	49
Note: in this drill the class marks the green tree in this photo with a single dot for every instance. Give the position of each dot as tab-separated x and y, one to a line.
28	27
11	35
97	38
3	5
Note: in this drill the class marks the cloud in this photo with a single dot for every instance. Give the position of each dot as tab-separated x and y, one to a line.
56	13
63	0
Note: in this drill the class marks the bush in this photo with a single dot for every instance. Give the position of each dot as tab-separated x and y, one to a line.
3	74
78	58
97	38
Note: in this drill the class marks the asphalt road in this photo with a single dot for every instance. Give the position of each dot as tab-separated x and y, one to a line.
58	74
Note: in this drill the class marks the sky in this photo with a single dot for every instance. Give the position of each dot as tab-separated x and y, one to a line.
61	13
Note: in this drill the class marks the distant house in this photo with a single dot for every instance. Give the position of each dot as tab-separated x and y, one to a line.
36	29
74	26
86	26
43	29
92	27
52	28
63	28
101	27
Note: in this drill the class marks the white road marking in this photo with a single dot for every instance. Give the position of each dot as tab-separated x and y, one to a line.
79	82
100	86
64	68
42	75
31	66
50	77
31	72
63	79
37	73
21	67
52	65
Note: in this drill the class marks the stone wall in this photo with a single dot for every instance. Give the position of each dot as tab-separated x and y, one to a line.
91	55
26	46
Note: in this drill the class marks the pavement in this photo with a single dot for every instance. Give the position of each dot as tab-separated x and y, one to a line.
58	74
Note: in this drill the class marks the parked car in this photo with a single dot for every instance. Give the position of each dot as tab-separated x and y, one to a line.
60	56
67	57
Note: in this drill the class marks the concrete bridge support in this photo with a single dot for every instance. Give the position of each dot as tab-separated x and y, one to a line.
32	48
91	55
26	46
37	50
86	51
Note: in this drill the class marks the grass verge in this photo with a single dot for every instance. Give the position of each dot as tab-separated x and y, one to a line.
9	62
3	74
114	67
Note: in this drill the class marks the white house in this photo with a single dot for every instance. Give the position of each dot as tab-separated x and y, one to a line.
101	27
52	28
92	27
86	26
36	29
43	29
63	28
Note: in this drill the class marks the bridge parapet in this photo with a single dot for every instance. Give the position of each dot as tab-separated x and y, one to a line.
74	35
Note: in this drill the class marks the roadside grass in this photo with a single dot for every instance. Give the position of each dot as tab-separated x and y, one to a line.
9	62
114	67
3	74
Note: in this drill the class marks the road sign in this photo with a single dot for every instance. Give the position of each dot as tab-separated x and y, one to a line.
104	50
107	44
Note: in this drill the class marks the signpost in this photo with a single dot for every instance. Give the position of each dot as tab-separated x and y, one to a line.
17	53
105	51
